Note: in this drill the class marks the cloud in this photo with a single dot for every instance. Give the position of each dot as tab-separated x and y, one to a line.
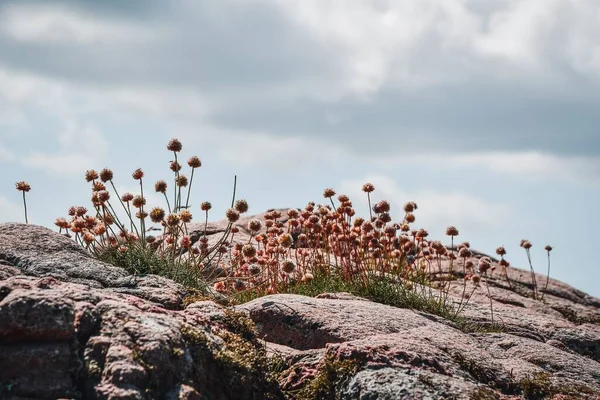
10	211
6	155
80	147
437	209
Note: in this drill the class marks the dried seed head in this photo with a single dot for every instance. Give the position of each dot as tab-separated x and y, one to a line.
501	251
409	207
138	174
254	225
61	223
422	233
381	207
286	240
185	216
328	193
160	186
174	145
410	218
88	237
368	188
103	196
451	231
172	220
23	186
194	162
503	263
526	244
232	215
249	251
342	198
485	263
138	201
98	186
288	266
241	206
308	277
175	166
185	242
91	175
157	215
205	206
106	175
126	197
476	279
181	181
465	252
548	248
80	211
141	215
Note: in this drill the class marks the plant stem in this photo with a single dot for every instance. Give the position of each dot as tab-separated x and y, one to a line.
25	206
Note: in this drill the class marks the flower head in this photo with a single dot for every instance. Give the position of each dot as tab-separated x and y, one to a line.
410	207
368	188
548	248
138	201
501	251
91	175
328	193
205	206
185	216
232	215
254	225
23	186
106	175
194	162
526	244
181	181
451	231
174	145
241	206
126	197
138	174
288	266
160	186
157	215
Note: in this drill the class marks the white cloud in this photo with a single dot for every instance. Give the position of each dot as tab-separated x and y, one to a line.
46	25
437	209
6	155
80	148
531	165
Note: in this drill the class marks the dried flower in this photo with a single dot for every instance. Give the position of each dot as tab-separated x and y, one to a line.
138	201
288	266
485	263
103	196
286	240
249	251
175	166
181	181
464	252
205	206
91	175
241	206
526	244
232	215
172	220
174	145
194	162
381	207
141	215
451	231
254	225
23	186
98	186
410	207
548	248
501	251
157	215
106	175
127	197
185	242
185	216
160	186
410	218
328	193
368	188
61	223
138	174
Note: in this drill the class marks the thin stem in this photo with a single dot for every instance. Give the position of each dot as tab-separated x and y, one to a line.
187	200
370	211
25	206
547	277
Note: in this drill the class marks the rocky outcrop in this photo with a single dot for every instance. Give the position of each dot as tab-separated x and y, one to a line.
74	327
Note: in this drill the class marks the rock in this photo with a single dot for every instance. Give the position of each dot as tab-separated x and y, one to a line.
74	327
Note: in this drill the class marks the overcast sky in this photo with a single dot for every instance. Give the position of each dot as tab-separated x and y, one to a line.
484	112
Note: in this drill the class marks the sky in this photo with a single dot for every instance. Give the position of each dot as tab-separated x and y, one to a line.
484	112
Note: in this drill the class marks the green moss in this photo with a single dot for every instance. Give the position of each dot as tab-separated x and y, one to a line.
540	386
484	393
329	379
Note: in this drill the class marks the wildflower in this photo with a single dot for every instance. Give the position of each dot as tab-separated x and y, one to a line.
126	197
175	166
138	174
328	193
254	225
465	252
103	196
98	186
485	264
174	145
526	244
61	223
80	211
241	206
239	285
451	231
342	198
172	220
308	277
194	162
88	238
91	175
185	242
548	248
138	201
106	175
501	251
249	251
476	279
286	241
23	186
141	215
181	181
410	207
410	218
368	188
160	186
185	216
381	207
288	266
232	215
100	229
205	206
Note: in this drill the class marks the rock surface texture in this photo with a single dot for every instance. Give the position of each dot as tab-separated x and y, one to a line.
74	327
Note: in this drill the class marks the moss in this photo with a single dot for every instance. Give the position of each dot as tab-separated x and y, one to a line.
540	386
484	393
329	379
